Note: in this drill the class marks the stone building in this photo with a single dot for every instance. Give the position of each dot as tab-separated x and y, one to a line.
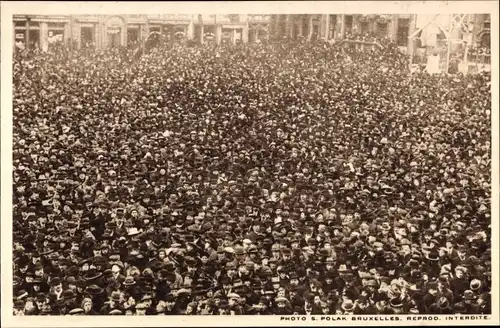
404	29
118	30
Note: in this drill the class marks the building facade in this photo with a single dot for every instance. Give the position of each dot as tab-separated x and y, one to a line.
409	31
119	30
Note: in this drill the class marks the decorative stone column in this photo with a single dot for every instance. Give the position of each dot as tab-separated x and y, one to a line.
411	30
27	33
310	27
190	31
233	36
124	34
76	33
14	36
288	26
342	27
98	36
67	33
44	34
325	19
272	23
218	33
103	32
244	33
301	26
393	28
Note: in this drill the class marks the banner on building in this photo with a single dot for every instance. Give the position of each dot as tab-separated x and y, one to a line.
19	36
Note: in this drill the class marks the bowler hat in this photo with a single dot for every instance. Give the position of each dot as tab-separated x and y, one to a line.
115	296
469	295
92	274
94	290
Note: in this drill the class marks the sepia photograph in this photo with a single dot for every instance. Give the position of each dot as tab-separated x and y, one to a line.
329	164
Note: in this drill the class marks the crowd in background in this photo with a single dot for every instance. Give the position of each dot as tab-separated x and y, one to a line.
277	178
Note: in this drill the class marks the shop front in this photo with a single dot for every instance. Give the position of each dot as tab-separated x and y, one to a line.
87	35
231	35
133	34
27	34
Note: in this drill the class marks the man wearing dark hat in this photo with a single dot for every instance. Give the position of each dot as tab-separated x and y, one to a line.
364	306
469	303
69	298
114	303
18	308
170	302
432	295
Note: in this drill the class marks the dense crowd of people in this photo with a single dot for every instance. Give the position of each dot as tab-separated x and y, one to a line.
280	178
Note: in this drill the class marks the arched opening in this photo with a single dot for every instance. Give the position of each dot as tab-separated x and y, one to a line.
485	40
153	40
179	36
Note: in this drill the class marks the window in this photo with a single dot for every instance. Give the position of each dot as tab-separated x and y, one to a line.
34	39
86	36
20	24
485	40
348	23
403	29
365	27
487	25
333	20
132	34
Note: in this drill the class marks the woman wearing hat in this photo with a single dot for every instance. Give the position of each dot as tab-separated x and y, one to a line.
283	306
191	309
88	308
